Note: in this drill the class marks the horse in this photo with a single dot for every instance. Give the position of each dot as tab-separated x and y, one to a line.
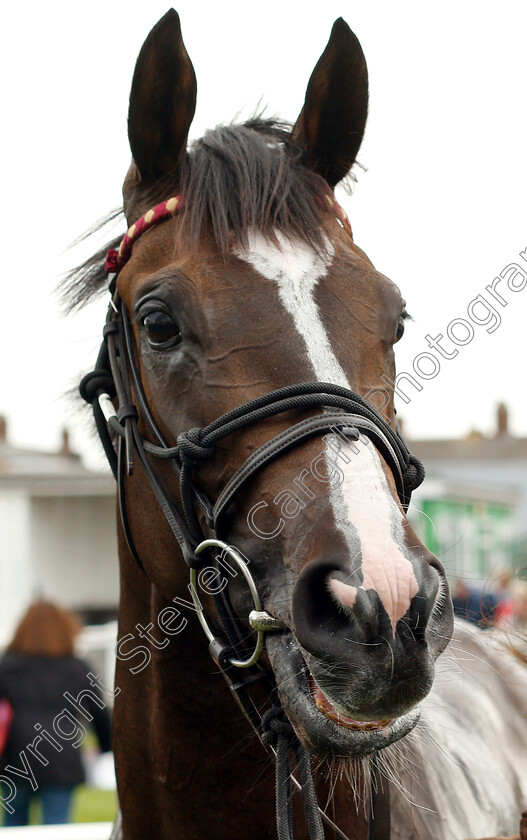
240	394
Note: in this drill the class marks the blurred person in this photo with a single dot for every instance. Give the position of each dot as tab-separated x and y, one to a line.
516	621
37	671
477	605
520	615
507	605
512	611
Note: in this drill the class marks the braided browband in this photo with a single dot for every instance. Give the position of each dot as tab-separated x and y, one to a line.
166	210
115	260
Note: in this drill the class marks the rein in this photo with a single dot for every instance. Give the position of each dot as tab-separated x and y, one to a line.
116	379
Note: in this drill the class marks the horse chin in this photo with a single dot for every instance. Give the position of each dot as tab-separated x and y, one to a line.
320	727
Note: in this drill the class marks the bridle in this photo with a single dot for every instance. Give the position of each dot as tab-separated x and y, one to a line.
115	391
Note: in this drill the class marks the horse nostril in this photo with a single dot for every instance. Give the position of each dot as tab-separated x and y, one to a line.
360	606
333	612
430	591
316	615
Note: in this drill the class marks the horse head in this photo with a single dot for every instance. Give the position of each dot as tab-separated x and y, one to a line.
256	285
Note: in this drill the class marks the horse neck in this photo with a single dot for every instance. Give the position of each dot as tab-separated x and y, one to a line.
183	750
186	757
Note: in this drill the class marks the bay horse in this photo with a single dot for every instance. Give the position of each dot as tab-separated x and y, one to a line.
241	382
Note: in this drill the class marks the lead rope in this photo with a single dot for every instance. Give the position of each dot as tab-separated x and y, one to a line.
278	732
278	736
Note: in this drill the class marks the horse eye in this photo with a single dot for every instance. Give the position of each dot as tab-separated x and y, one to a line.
400	330
400	326
161	329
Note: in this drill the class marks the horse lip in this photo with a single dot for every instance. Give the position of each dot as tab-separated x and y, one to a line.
320	734
324	705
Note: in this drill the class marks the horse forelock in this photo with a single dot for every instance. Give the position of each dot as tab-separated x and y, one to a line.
238	178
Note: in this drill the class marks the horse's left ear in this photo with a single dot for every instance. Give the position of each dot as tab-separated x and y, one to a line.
162	101
332	121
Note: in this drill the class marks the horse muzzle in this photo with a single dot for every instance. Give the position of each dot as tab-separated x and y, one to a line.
320	727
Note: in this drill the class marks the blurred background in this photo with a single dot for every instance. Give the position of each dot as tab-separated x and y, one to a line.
438	205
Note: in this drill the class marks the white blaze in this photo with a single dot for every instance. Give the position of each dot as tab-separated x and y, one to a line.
364	508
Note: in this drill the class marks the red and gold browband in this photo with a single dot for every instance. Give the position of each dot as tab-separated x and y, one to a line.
166	210
115	260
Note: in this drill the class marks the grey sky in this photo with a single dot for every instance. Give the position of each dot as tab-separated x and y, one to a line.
440	209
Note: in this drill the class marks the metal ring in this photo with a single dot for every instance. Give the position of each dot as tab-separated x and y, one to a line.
242	565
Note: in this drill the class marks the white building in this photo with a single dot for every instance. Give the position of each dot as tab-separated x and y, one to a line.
472	508
57	534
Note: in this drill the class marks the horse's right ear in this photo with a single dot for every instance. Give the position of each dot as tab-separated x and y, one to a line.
162	101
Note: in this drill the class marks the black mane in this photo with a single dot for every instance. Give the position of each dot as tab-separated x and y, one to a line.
236	177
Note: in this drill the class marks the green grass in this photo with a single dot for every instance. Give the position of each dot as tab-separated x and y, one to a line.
89	805
92	805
